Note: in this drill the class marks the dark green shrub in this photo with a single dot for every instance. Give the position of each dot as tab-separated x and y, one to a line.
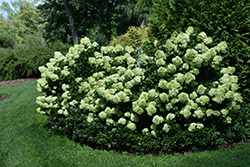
24	62
6	40
224	20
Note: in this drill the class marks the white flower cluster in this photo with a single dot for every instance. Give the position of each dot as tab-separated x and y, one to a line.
146	102
186	111
170	116
131	126
157	119
199	113
47	102
183	97
194	126
201	89
181	40
166	128
202	100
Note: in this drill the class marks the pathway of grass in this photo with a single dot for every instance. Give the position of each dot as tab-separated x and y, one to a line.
25	142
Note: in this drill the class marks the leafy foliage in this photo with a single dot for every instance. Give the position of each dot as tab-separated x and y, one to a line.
23	18
225	20
6	40
132	37
24	62
108	17
169	104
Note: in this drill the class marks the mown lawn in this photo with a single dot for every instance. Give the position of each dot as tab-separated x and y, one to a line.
25	142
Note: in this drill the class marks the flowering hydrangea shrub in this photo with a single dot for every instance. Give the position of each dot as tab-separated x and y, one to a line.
102	96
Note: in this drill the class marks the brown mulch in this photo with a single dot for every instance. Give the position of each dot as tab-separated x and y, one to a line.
12	82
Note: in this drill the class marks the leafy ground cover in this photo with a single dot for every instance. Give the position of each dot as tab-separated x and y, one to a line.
24	141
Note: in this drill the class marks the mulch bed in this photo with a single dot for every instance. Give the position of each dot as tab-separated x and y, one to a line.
12	82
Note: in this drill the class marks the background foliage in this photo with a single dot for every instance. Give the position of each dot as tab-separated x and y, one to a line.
132	37
24	62
109	18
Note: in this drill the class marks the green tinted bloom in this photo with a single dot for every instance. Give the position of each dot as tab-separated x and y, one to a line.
171	68
160	62
137	80
129	84
110	122
134	118
221	47
109	111
199	113
170	116
202	36
159	54
129	49
138	110
189	30
157	119
90	117
195	71
168	106
234	87
208	40
152	94
163	84
145	130
153	133
151	110
228	120
203	100
197	61
201	89
216	61
199	126
164	97
237	97
127	114
131	126
186	111
193	95
162	71
183	97
174	84
209	112
192	127
122	121
118	48
102	115
185	67
166	128
229	94
224	111
189	77
180	78
190	54
177	61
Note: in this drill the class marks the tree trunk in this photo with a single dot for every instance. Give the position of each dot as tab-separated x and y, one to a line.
71	22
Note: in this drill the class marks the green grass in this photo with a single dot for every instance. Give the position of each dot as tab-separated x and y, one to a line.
25	142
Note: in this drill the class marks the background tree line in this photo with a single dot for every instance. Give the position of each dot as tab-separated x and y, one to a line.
70	20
